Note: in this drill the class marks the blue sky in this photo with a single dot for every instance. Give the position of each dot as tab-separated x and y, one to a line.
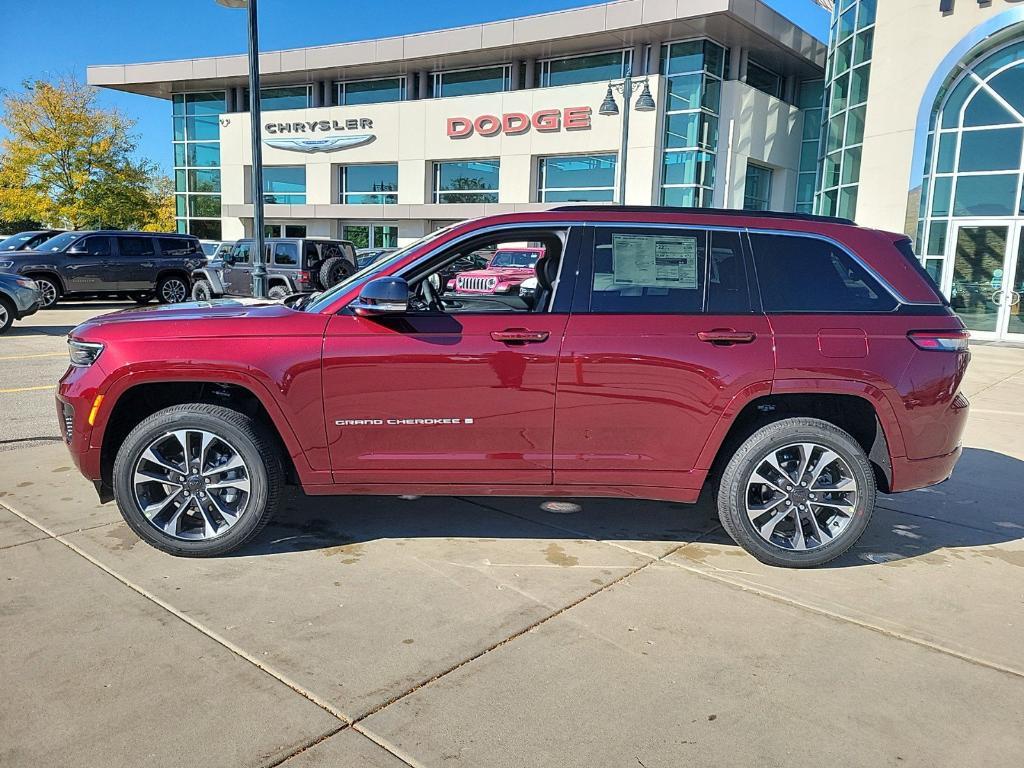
56	37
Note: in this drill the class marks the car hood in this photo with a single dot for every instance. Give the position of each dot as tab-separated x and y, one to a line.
500	272
185	319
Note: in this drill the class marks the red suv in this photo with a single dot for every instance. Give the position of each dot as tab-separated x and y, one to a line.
794	365
504	273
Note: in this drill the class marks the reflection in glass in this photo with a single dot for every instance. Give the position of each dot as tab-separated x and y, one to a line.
978	275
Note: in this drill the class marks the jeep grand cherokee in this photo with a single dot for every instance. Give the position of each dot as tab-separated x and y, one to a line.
795	365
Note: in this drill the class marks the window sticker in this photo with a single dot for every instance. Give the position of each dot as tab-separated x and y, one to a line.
654	261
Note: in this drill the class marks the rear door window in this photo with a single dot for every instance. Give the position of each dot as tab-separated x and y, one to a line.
805	274
286	254
137	247
666	271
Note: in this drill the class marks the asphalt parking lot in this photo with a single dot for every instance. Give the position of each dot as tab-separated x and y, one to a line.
487	632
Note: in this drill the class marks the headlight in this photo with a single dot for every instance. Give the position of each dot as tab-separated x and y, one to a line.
83	353
6	264
26	282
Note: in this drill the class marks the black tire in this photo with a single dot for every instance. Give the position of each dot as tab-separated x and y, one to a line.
202	291
49	290
255	447
278	292
733	492
141	298
172	289
334	270
6	314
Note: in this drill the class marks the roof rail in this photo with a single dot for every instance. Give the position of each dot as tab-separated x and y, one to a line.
705	212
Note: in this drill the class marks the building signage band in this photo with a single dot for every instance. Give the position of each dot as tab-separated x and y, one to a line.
947	6
516	123
325	142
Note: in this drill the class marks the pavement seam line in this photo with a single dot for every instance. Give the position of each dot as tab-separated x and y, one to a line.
309	745
47	536
398	753
839	617
232	647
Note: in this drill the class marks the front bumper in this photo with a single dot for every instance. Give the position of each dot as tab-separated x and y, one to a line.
76	395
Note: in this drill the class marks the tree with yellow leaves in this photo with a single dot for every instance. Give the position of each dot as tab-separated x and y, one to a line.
68	162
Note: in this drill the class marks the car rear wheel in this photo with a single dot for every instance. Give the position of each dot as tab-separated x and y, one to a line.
172	290
6	314
277	293
334	270
797	493
49	291
198	480
202	291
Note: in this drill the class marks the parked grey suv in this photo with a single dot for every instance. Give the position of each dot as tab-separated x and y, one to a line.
294	265
140	265
19	298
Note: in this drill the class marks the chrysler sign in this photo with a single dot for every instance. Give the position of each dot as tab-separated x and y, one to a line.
516	123
322	136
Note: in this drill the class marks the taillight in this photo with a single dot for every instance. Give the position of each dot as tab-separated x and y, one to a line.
940	341
304	276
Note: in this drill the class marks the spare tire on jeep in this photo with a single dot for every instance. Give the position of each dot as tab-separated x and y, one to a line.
334	270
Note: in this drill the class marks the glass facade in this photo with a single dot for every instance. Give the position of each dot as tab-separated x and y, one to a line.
757	190
466	181
370	91
576	179
197	162
374	184
465	82
847	75
693	84
284	184
764	79
287	97
589	68
808	99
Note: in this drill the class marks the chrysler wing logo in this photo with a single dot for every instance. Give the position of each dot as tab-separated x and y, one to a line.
326	144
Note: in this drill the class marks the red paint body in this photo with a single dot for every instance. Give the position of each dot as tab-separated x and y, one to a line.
612	405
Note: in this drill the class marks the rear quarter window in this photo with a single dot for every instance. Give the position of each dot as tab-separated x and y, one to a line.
805	274
177	246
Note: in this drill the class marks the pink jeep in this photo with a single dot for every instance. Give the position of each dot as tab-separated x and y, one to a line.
503	274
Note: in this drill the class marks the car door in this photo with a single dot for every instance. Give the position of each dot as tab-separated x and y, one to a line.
137	262
90	266
461	397
665	332
237	276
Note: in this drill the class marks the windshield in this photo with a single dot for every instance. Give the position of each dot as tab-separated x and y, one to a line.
523	259
15	242
319	301
210	248
59	242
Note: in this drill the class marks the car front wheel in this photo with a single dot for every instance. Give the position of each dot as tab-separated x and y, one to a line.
197	480
202	291
6	314
172	290
797	493
49	291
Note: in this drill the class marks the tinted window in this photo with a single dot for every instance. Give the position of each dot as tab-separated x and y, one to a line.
667	272
137	247
96	246
286	253
177	246
524	259
803	274
242	254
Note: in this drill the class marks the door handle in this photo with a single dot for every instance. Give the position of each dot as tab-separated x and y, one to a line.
726	336
520	336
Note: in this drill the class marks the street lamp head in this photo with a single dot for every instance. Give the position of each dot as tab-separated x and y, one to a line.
233	3
608	106
645	102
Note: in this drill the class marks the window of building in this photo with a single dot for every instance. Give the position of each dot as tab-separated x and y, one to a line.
197	181
284	184
466	181
804	274
693	72
371	235
373	184
757	190
763	79
576	179
287	97
370	91
284	230
465	82
589	68
808	99
648	270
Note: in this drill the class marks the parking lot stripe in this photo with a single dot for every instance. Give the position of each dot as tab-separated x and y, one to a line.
237	650
26	357
26	389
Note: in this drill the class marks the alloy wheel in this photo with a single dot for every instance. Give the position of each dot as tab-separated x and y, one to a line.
173	291
48	292
191	484
802	496
4	315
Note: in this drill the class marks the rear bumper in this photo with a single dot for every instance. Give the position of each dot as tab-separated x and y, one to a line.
911	474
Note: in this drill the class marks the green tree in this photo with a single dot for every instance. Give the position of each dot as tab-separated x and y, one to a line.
69	162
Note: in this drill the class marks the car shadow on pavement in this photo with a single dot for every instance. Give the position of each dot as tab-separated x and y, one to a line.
975	508
39	330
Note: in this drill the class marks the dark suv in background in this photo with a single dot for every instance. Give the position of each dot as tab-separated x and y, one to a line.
139	265
27	241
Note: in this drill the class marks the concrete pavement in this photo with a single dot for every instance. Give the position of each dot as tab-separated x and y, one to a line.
488	632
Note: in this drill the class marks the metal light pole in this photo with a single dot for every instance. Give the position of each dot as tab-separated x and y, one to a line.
259	264
644	103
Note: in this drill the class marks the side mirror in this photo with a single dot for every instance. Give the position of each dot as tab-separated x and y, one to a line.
383	296
76	250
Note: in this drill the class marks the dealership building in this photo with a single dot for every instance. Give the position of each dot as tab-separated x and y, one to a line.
910	119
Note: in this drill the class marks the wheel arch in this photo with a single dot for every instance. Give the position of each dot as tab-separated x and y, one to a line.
49	273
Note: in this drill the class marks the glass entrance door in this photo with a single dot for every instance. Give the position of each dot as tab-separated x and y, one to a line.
371	235
986	277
